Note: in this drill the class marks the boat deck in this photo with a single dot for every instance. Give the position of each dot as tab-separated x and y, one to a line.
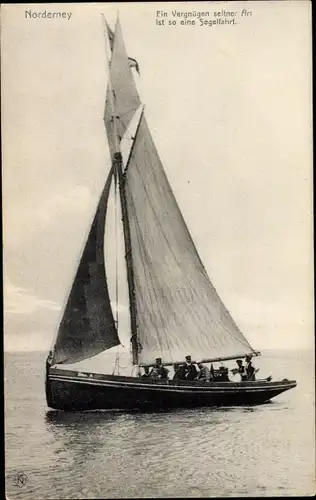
158	382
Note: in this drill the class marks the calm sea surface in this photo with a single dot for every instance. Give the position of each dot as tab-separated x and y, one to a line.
261	451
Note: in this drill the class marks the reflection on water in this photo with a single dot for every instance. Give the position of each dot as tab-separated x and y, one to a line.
111	454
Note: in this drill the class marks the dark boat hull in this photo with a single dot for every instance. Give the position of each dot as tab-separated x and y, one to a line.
71	391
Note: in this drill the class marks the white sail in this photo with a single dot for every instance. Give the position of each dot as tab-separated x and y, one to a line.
178	310
128	138
122	99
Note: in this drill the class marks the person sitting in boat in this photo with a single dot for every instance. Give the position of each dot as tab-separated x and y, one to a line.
190	371
146	373
241	370
221	375
177	372
159	371
204	373
250	370
154	372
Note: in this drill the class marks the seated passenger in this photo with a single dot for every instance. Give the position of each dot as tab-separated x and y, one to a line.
221	375
241	370
182	372
154	373
250	370
204	373
159	371
177	372
146	373
190	371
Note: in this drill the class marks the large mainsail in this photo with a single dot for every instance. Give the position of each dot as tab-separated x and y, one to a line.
178	309
87	326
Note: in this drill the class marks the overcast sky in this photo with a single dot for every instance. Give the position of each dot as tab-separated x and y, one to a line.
230	111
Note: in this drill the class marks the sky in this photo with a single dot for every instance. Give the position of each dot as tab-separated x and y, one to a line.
229	107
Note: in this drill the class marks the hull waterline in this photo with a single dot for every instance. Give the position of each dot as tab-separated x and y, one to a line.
72	391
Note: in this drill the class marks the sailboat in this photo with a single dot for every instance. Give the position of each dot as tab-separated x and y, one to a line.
174	308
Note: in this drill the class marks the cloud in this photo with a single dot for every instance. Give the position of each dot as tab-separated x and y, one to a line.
18	300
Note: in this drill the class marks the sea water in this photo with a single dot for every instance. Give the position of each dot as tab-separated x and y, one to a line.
248	451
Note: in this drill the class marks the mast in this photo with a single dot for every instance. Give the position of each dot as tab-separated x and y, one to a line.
118	167
117	164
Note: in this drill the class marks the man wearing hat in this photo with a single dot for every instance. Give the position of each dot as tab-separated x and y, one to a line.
159	371
190	372
250	370
241	370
